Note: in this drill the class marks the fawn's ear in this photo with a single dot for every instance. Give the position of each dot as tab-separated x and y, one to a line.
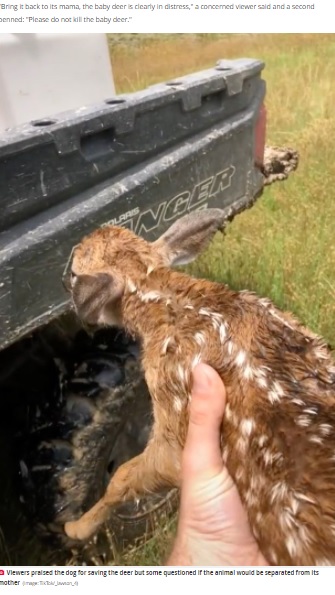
190	235
97	297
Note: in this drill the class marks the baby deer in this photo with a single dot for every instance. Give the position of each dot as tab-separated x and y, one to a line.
278	434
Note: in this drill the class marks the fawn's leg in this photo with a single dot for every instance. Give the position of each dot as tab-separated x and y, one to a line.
144	473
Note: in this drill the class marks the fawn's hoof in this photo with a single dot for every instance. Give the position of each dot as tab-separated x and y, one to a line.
78	530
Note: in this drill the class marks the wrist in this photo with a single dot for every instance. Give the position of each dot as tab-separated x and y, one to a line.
191	551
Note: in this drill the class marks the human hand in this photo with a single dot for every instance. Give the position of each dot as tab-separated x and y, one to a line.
213	527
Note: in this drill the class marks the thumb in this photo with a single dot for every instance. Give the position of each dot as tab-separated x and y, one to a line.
202	452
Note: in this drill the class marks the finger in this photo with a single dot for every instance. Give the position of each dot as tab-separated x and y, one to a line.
202	452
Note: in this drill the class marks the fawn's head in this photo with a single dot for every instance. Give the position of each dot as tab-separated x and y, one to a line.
112	259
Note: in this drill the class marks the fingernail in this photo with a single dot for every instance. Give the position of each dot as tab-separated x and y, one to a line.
201	378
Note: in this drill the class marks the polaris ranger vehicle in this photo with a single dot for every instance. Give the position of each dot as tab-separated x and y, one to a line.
74	405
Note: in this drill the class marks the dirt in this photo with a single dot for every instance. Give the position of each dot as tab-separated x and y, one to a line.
279	163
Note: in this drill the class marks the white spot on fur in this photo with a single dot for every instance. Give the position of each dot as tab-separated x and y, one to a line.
230	347
150	269
262	440
199	338
165	345
279	491
268	457
273	397
216	322
131	286
304	498
294	505
250	498
264	302
150	296
205	312
196	360
287	520
248	372
260	374
188	307
303	421
276	393
325	429
262	382
247	425
278	388
298	402
223	332
292	545
240	358
316	439
311	411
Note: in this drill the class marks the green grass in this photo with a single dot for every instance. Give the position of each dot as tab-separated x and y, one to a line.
153	552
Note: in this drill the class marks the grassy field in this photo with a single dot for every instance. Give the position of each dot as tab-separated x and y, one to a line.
284	247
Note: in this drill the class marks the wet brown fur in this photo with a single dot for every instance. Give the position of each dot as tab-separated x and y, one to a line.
278	436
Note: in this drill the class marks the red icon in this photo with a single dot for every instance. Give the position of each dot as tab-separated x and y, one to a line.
2	572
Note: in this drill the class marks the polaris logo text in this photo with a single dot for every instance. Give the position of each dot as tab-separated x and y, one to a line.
167	211
177	206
